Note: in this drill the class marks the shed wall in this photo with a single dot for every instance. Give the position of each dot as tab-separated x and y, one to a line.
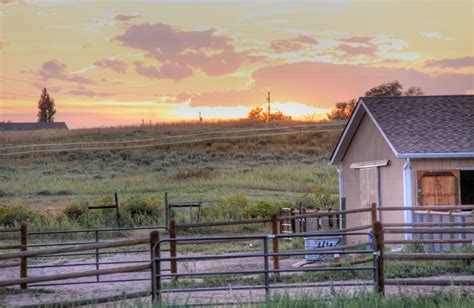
368	144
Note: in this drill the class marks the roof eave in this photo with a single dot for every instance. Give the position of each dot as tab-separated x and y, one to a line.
437	155
349	128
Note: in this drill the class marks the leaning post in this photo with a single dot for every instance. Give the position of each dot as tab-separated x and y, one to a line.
378	240
276	258
174	267
24	260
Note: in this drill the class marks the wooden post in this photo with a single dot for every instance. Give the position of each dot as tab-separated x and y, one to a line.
373	213
155	238
117	209
378	241
318	221
330	222
280	213
24	260
276	259
174	268
304	222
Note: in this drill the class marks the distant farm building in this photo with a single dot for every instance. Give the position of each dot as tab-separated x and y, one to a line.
406	151
28	126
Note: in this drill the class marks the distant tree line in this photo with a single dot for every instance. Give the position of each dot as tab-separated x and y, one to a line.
343	110
257	113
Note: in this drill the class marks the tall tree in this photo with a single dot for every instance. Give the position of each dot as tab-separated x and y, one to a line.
47	107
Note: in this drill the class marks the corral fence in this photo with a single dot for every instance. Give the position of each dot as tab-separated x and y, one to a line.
265	269
69	249
38	241
376	235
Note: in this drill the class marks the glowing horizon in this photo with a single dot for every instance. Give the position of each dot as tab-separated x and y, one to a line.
117	63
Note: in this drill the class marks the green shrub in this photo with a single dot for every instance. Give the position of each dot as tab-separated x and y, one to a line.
231	208
16	214
140	211
262	209
75	211
318	198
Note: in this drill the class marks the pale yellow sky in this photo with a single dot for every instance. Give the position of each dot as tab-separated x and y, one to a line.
118	62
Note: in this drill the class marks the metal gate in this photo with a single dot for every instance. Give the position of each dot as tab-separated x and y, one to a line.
159	274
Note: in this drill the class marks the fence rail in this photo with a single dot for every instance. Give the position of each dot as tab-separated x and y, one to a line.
270	252
265	254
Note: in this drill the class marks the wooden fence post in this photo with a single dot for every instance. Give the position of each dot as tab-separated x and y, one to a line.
23	260
373	213
318	221
378	241
117	210
276	259
174	268
155	238
330	222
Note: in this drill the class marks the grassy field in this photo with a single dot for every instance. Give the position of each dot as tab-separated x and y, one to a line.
282	168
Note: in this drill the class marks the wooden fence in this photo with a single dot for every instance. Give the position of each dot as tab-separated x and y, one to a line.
24	280
378	229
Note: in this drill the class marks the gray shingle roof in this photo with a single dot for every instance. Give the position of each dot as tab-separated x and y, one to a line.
26	126
425	124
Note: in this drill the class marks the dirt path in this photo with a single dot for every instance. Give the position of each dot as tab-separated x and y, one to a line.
66	292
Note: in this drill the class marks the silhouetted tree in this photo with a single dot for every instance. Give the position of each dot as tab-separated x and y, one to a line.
342	111
393	88
46	106
257	113
414	91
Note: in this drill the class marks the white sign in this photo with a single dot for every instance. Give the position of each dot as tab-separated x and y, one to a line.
311	243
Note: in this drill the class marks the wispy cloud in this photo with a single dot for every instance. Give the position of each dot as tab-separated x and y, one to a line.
117	66
451	63
54	69
436	35
126	17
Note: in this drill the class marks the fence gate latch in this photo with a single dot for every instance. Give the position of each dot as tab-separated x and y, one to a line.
376	253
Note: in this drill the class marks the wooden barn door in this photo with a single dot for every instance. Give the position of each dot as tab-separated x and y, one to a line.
438	188
369	190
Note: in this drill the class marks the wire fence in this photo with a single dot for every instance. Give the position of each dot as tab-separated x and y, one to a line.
148	145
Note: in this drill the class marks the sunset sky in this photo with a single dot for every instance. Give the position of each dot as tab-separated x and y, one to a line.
118	62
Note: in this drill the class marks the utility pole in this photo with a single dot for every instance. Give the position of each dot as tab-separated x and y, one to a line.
268	107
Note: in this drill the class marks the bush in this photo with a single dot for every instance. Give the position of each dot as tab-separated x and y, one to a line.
140	211
193	173
318	198
262	209
75	212
232	208
16	214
